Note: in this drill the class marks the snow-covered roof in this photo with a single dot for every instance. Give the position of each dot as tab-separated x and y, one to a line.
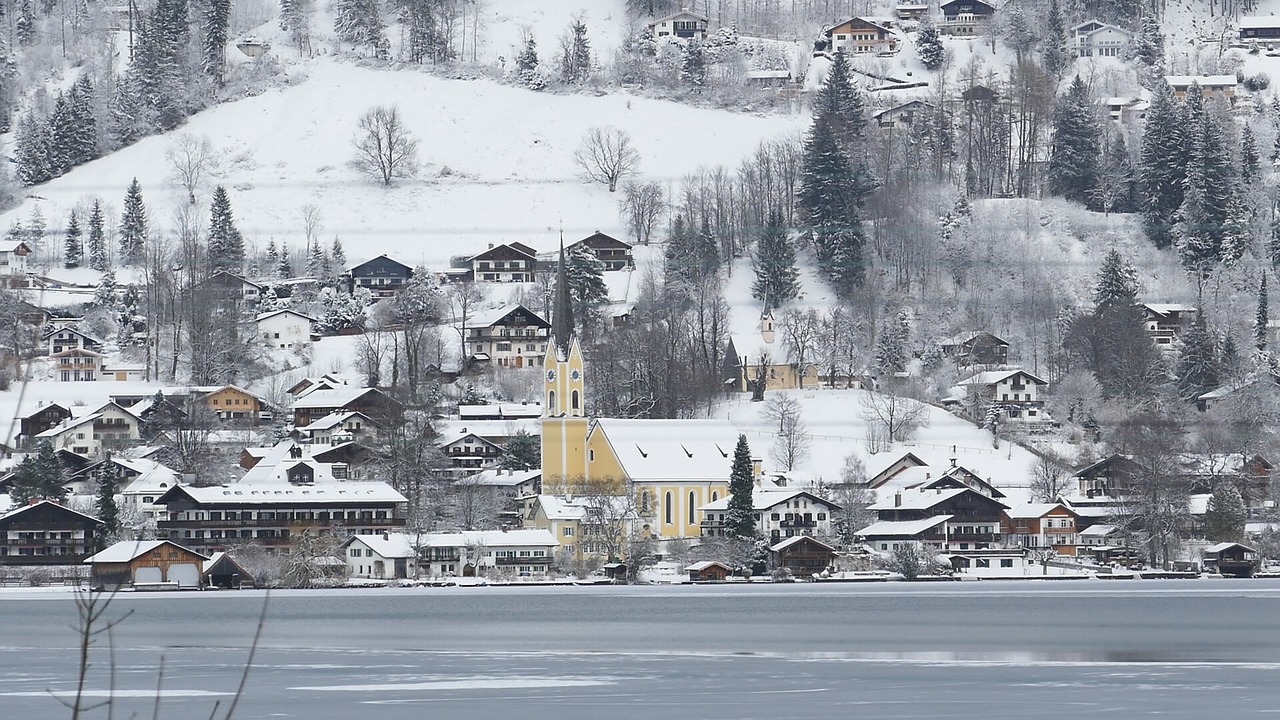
501	410
760	500
991	377
330	397
4	503
1219	547
917	500
491	538
502	478
1033	510
1198	504
1253	22
11	245
788	542
269	494
68	424
486	318
284	311
331	420
392	545
1201	80
1167	308
1099	530
489	428
668	450
901	528
126	550
556	507
700	566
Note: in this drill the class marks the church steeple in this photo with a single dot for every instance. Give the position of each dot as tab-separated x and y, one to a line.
562	310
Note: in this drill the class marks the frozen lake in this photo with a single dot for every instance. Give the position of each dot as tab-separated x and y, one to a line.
1186	649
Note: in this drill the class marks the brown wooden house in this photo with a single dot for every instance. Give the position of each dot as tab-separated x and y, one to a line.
46	533
512	262
1231	559
155	564
802	555
976	348
41	419
612	252
708	571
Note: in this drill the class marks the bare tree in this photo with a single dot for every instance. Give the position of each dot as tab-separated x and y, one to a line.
1050	479
801	331
385	150
310	222
781	408
898	417
190	158
463	298
606	156
473	505
791	446
642	206
853	497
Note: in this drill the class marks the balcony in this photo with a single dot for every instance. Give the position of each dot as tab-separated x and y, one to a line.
798	524
278	523
505	561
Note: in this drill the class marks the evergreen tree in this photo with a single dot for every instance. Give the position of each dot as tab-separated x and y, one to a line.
133	225
25	26
273	257
97	241
1262	318
1207	218
315	259
61	131
226	246
32	150
36	229
104	296
108	511
1249	163
829	202
575	61
693	65
39	477
1112	341
523	452
1198	369
584	274
1149	48
359	22
680	263
284	268
1163	165
73	249
426	39
929	45
1117	285
708	252
891	345
217	21
1056	55
777	279
527	65
1225	516
1073	157
336	252
740	518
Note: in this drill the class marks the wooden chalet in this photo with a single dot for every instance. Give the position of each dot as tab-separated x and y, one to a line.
965	18
1232	559
612	252
860	36
46	533
976	348
42	418
222	570
511	262
147	564
708	571
682	24
381	276
802	555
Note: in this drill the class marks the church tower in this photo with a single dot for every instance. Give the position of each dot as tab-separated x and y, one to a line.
564	421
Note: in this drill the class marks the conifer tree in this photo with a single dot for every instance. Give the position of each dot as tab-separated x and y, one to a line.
584	274
226	247
708	251
891	345
693	65
929	45
680	258
272	262
1056	54
133	225
61	131
284	268
108	511
32	150
36	229
1249	163
359	22
575	61
39	477
1226	514
1117	284
315	260
1198	368
1112	340
1262	317
25	25
104	296
1149	48
338	254
828	201
86	138
1073	158
777	279
527	65
740	518
217	21
1163	165
97	241
73	249
1206	225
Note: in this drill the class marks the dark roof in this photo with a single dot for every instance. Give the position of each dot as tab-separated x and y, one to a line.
519	248
382	260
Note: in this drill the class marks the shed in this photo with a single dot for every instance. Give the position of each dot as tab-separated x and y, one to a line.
1230	558
708	571
223	571
155	563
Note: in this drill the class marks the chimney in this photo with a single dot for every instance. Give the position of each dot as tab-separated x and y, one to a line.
897	499
953	461
756	466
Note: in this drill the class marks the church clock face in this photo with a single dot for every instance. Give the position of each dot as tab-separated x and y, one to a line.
551	376
576	375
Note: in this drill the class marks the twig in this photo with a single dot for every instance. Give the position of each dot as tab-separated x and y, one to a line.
248	663
155	712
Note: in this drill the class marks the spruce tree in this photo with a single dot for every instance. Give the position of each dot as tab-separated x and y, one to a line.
1117	284
32	150
62	130
1149	47
39	477
97	240
226	247
523	452
777	279
1226	514
1262	318
892	354
1163	165
133	225
272	260
1056	55
740	518
1198	369
359	22
104	296
25	25
580	53
72	247
108	511
284	268
336	252
1207	217
1113	339
693	65
829	203
584	274
1073	156
929	45
217	21
1249	163
527	65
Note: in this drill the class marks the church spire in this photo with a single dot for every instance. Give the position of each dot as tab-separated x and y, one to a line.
562	311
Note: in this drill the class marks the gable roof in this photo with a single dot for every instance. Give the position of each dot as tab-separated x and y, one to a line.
518	247
283	311
699	566
797	539
129	550
599	239
267	494
27	508
992	377
670	450
392	545
491	538
381	258
681	13
859	20
495	315
902	528
765	499
1032	511
334	419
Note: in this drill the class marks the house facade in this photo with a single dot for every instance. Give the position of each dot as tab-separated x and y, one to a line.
323	400
341	427
68	338
976	348
955	519
511	262
511	336
778	514
1015	393
1166	322
236	404
389	556
284	329
486	553
13	260
147	562
683	24
1219	87
46	533
859	36
802	556
470	452
1098	39
1260	29
965	18
1040	526
613	253
77	365
381	276
110	427
905	114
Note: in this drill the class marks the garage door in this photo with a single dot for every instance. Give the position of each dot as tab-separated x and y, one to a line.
147	575
186	575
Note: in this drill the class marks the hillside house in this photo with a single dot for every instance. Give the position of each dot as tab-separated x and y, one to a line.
45	416
955	519
500	411
77	365
1126	111
13	261
284	329
341	427
684	24
1015	392
613	253
234	287
965	18
1262	29
976	348
233	403
470	452
381	276
68	338
511	262
109	428
766	79
388	556
911	11
905	114
742	371
1165	322
147	562
1219	87
122	371
802	556
1098	39
1041	526
324	400
46	533
778	513
510	336
276	515
858	36
1110	477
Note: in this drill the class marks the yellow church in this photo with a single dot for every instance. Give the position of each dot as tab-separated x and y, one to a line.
673	466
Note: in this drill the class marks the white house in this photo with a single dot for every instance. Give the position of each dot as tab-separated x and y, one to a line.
683	24
1098	39
510	336
779	514
13	258
340	427
524	553
1016	391
110	427
383	556
284	329
77	365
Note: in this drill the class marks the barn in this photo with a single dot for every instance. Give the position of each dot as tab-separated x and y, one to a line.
147	564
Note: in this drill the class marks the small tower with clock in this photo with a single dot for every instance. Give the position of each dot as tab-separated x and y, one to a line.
564	423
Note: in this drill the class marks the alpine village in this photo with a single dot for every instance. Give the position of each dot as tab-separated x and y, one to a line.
351	293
